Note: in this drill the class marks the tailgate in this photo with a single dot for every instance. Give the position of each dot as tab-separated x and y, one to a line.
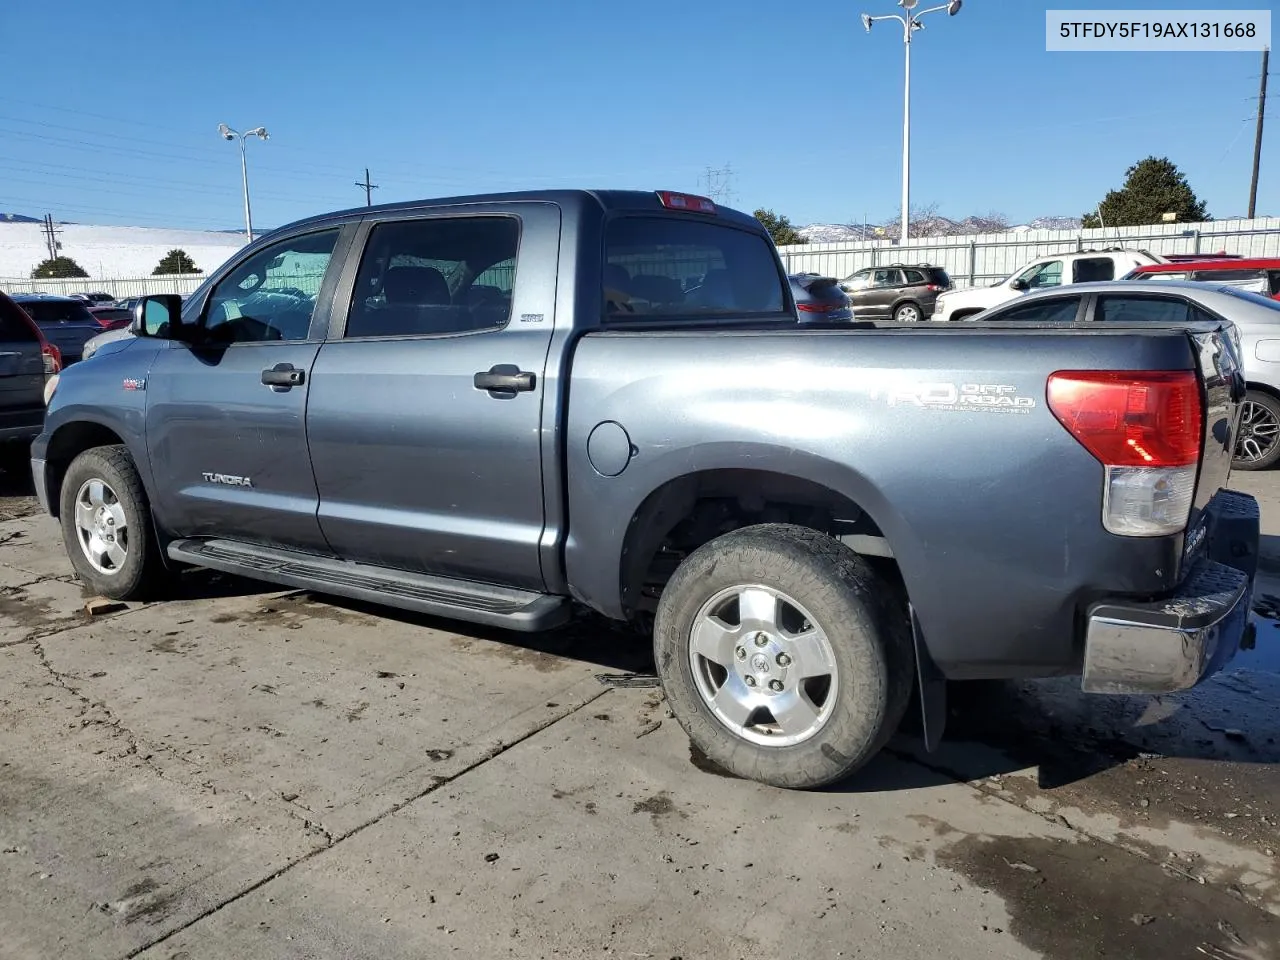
69	337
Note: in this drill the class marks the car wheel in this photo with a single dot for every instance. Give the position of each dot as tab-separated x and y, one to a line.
106	526
1258	436
906	313
782	655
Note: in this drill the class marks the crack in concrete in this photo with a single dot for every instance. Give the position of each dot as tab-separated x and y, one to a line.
436	783
135	745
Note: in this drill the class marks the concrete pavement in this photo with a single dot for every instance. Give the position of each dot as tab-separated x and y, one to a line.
248	773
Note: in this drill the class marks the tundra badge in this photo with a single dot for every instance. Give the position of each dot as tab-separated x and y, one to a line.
227	480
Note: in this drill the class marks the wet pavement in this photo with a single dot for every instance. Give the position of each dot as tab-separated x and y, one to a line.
247	772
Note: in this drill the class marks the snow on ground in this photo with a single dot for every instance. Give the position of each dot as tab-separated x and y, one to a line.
110	253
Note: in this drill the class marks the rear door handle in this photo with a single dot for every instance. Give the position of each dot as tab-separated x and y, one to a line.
505	380
283	376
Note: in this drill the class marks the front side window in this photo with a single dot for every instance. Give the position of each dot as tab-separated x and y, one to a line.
1040	275
435	276
667	267
859	281
272	295
1054	310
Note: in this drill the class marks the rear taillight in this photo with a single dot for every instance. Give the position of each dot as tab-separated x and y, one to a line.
52	358
934	288
1146	428
818	307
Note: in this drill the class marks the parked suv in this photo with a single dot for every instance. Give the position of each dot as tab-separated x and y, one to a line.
65	322
26	361
1055	270
900	292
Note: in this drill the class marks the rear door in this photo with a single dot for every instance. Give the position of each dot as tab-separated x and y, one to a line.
21	374
425	415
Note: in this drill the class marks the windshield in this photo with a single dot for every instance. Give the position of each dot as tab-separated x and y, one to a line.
57	311
673	267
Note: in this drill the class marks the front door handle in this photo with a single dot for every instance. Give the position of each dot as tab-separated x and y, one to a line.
505	380
283	376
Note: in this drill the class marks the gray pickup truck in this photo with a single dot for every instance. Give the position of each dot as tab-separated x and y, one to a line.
494	408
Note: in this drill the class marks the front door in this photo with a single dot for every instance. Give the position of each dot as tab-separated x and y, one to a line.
226	426
425	415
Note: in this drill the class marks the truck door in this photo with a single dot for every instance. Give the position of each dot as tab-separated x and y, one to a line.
226	434
425	415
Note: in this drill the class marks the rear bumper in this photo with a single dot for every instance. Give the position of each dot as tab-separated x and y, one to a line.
1160	646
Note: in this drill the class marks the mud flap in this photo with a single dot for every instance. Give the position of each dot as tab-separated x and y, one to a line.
933	689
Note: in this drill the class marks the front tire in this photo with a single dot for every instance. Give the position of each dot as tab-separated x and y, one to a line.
106	526
782	655
1258	436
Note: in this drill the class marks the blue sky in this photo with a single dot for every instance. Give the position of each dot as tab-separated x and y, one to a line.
116	119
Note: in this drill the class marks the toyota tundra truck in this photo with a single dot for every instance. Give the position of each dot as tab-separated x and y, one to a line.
499	408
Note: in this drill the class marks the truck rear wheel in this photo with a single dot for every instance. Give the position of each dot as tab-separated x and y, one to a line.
106	526
781	655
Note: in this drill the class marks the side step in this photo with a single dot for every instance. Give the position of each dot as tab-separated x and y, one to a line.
482	603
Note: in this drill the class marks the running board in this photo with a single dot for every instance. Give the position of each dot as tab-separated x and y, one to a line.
481	603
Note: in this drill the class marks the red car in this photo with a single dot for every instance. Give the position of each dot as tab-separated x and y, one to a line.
111	317
1259	275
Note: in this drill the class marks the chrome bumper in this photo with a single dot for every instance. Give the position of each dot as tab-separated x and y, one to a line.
42	489
1170	644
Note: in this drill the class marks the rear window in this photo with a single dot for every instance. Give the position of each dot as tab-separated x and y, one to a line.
660	267
57	311
1226	276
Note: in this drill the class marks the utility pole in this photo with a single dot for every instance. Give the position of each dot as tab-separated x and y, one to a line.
368	188
1257	142
51	236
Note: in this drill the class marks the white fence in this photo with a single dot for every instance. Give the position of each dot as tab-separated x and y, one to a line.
986	258
120	289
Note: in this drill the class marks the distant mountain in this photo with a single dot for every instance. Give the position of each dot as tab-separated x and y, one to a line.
18	218
935	226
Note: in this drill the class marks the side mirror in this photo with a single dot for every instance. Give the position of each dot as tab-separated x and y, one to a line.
158	316
1018	284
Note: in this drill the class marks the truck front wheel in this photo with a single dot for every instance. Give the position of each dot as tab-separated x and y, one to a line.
782	655
106	525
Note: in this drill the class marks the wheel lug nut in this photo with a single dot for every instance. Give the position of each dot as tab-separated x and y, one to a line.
749	680
775	686
740	653
761	639
784	660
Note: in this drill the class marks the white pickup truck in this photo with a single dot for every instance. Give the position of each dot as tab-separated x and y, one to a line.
1053	270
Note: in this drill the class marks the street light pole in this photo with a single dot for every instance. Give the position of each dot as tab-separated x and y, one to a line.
910	21
228	134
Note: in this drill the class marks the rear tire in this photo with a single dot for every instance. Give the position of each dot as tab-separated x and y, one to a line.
107	528
907	313
1258	437
783	604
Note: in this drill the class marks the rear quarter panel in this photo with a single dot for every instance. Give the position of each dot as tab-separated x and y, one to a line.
992	511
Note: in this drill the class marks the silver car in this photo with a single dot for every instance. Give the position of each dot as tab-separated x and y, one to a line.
1256	319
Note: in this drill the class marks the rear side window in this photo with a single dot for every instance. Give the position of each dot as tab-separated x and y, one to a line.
1093	269
914	277
14	326
1142	310
659	267
435	276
